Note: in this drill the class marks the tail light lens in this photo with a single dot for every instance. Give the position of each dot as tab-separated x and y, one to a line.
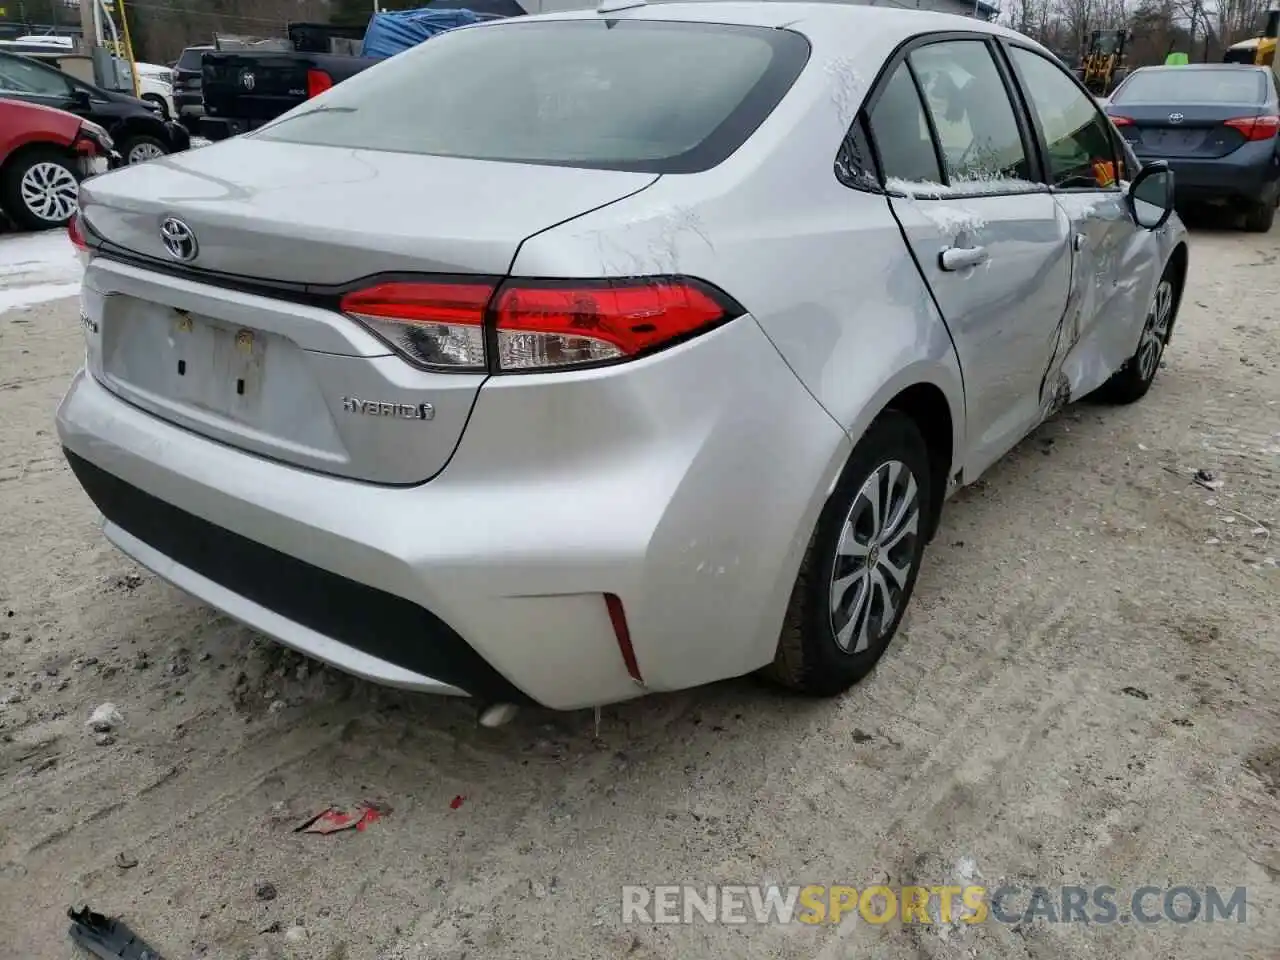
1256	128
545	326
1122	121
439	325
76	233
317	83
521	326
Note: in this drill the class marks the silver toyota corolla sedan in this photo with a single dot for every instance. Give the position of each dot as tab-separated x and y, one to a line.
566	358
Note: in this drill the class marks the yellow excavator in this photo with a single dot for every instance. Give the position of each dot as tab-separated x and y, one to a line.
1260	51
1104	60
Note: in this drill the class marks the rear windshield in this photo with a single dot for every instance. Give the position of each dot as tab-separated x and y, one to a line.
1179	85
658	97
190	59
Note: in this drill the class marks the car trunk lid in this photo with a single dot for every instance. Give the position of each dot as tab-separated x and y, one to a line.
1195	132
245	343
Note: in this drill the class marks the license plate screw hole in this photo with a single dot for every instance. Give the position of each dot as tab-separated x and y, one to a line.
240	387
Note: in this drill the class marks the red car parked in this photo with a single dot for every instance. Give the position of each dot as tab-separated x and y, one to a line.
44	154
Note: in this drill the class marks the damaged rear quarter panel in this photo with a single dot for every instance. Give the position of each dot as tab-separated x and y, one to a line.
820	266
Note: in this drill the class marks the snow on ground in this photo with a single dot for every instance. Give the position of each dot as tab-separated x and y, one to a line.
37	267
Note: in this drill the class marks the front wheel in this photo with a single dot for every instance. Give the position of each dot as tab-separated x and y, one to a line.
861	566
1132	381
142	147
39	189
160	104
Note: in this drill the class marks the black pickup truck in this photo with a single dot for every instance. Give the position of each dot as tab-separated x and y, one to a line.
243	89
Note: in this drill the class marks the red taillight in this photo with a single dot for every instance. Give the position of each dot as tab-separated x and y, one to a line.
536	324
76	233
433	324
1121	121
1256	128
556	324
317	83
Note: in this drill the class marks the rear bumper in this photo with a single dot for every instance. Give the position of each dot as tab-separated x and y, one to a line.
694	510
1248	174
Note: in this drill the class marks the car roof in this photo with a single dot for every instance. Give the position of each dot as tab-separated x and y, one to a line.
1201	68
872	23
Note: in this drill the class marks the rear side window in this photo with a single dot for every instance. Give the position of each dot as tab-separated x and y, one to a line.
650	96
901	132
1080	140
19	75
1194	85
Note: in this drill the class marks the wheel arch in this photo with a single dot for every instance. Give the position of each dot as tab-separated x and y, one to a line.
1179	262
928	408
34	146
128	127
932	395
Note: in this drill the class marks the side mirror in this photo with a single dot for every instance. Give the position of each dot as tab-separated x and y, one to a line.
80	98
1150	196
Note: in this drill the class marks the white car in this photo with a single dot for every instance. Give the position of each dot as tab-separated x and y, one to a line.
155	86
643	352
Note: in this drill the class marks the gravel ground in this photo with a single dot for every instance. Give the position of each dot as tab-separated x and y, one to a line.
1086	691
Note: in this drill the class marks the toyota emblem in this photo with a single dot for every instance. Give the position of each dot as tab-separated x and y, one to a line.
179	240
1176	118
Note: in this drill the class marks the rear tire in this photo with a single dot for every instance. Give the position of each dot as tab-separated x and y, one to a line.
1259	217
38	189
1132	381
860	569
142	147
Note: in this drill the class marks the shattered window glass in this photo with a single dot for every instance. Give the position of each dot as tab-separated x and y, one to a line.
970	108
1081	147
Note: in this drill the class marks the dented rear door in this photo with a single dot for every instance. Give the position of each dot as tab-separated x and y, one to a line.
988	237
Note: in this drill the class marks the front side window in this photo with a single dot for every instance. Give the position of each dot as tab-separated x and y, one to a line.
656	97
1081	146
25	77
977	128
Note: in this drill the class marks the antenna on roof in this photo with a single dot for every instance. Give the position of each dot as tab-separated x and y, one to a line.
613	6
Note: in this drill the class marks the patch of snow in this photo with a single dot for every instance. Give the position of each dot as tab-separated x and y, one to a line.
847	86
970	184
19	298
36	268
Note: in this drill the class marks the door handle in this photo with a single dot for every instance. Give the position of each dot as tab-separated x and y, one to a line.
961	258
1078	243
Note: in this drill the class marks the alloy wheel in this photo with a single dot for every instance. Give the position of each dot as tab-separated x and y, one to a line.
49	191
874	557
1155	331
142	152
